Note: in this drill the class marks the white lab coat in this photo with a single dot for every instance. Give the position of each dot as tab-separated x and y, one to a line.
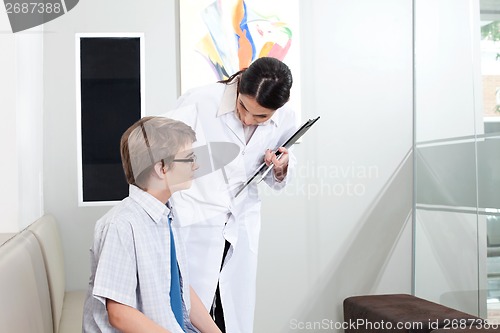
208	213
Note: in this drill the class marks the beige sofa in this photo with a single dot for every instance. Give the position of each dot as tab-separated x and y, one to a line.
32	283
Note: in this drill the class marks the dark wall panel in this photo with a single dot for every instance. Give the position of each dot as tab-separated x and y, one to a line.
110	103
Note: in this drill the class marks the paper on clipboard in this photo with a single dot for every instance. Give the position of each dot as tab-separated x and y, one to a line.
263	168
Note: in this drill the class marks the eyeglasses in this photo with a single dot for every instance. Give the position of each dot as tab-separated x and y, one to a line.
191	160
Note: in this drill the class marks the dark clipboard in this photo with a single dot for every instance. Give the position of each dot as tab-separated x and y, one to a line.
263	168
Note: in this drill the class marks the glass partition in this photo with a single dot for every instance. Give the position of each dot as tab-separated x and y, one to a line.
489	150
457	154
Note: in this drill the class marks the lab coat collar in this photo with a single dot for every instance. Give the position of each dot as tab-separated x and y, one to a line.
228	103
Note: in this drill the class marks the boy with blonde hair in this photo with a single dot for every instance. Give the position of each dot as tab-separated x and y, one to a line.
139	281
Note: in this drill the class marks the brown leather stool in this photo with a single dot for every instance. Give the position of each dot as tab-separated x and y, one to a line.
399	313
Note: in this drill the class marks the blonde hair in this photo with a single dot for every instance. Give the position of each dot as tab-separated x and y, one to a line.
149	141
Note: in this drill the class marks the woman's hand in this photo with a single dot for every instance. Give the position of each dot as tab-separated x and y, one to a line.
280	165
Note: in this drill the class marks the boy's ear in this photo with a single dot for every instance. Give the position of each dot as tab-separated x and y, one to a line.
160	170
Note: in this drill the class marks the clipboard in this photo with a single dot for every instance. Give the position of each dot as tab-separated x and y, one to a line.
263	169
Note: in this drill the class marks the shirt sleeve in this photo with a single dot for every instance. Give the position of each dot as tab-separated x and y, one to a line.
116	273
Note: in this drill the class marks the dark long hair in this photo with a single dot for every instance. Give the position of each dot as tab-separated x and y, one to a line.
268	80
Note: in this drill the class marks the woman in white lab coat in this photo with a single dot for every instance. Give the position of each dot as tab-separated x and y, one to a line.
249	115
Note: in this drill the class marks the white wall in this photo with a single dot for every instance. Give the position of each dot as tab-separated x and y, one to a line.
29	121
9	195
21	102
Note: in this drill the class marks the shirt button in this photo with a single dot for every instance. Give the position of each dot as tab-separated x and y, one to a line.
243	152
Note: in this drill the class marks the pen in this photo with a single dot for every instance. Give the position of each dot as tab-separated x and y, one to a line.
269	168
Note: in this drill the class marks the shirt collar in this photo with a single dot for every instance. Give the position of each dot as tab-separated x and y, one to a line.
153	207
228	103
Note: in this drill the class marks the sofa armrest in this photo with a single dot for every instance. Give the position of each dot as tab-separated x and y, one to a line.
24	300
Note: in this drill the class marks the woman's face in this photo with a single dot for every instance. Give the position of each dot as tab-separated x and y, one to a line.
250	112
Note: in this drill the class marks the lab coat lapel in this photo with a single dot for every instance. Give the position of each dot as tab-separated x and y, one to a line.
259	138
235	126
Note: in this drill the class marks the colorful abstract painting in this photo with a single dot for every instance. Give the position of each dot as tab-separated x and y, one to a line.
218	38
